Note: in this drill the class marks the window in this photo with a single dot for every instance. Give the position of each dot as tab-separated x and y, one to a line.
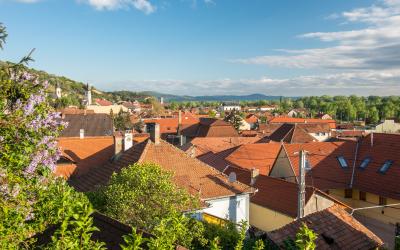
362	196
382	201
348	193
365	162
343	162
385	167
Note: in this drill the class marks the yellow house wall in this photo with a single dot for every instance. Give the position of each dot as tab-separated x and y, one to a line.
390	215
267	219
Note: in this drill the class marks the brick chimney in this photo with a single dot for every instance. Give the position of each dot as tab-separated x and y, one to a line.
154	131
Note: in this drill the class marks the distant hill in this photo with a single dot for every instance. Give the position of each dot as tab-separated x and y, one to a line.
75	92
220	98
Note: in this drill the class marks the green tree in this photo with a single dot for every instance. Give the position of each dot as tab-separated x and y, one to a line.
235	119
122	121
142	195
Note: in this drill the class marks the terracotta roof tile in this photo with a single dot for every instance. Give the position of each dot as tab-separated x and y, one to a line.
84	154
203	145
326	171
283	119
336	229
189	173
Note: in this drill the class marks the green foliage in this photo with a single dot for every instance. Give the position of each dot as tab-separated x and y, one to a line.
133	241
122	121
305	240
397	243
259	245
214	244
31	197
242	236
228	235
142	195
235	119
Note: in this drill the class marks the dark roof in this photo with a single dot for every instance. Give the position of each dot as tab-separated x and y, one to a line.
289	133
210	127
189	173
335	229
93	125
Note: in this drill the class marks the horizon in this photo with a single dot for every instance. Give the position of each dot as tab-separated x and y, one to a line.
194	47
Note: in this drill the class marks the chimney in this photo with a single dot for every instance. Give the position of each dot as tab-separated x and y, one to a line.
81	133
118	141
154	131
254	174
179	122
372	139
128	140
302	185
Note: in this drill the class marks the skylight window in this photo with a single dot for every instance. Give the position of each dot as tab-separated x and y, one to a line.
385	167
365	163
343	162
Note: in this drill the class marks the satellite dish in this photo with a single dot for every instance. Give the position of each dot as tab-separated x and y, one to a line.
232	177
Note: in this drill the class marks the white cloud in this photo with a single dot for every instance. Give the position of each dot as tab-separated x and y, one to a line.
366	54
142	5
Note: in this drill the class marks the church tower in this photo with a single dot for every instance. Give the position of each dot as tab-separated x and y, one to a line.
88	95
58	91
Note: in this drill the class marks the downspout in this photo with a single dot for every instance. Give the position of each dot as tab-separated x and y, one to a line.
354	164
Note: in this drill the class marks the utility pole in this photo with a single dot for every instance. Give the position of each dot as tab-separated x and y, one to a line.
302	184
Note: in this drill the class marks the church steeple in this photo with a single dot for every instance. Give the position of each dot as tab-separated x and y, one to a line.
58	91
88	94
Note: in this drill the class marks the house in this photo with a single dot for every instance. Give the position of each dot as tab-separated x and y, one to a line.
387	126
102	102
225	198
359	173
203	145
283	119
252	120
335	229
299	112
324	116
82	125
133	106
289	133
115	109
229	107
210	127
267	108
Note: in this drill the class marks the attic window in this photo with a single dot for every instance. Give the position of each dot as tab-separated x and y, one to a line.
343	162
385	167
365	163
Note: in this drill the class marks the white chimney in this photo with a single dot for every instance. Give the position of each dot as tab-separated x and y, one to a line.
128	140
302	185
254	174
81	133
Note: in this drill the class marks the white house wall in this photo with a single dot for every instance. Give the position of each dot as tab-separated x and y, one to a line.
321	137
234	208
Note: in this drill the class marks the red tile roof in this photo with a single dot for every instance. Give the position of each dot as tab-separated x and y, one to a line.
170	125
326	171
384	147
281	119
335	228
204	145
260	156
103	102
251	118
189	173
85	154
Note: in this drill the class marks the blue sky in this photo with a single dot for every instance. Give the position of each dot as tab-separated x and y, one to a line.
204	47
